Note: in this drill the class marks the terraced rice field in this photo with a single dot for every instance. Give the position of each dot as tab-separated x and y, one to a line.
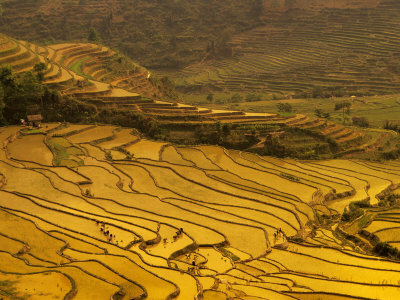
80	70
346	49
386	226
175	222
38	152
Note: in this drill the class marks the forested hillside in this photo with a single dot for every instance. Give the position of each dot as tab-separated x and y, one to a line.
168	33
157	33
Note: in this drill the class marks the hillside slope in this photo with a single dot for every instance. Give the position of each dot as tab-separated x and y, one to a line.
156	33
306	48
332	52
101	78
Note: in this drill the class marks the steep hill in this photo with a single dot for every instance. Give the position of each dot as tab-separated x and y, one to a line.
309	54
165	33
157	33
306	48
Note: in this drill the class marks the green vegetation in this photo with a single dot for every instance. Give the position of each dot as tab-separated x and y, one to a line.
93	35
284	108
225	98
381	111
321	114
391	126
40	69
229	254
177	33
20	95
356	209
389	200
223	134
77	67
33	131
62	151
301	143
360	121
386	250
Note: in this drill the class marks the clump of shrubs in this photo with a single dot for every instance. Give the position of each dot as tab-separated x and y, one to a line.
386	250
389	200
253	97
391	126
321	114
355	210
360	121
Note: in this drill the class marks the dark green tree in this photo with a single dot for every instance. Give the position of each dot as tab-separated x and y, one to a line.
318	112
93	35
321	114
226	129
284	107
40	69
8	87
7	79
21	95
2	105
317	92
253	97
236	98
